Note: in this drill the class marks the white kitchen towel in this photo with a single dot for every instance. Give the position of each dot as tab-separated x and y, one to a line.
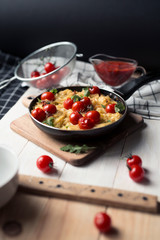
145	101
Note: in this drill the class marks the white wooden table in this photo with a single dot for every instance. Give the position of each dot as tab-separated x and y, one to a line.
108	170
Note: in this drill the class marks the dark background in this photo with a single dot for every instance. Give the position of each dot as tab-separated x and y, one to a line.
124	28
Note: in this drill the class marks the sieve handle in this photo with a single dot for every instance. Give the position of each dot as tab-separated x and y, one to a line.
4	83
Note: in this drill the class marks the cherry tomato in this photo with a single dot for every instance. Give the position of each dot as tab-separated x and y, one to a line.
35	74
86	101
110	108
50	108
45	163
102	221
85	123
48	95
63	71
68	103
78	106
56	78
134	160
74	117
49	67
94	115
38	114
45	82
94	90
136	173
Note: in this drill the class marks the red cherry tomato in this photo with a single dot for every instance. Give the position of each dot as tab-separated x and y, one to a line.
56	78
85	123
68	103
45	163
94	115
134	160
45	82
64	71
48	95
38	114
50	108
74	117
102	222
40	84
78	106
94	90
86	101
35	74
110	108
136	173
49	67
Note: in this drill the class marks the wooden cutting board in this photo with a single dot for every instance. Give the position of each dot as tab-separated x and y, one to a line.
25	127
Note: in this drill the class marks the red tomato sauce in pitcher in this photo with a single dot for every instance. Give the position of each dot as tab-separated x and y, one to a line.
114	73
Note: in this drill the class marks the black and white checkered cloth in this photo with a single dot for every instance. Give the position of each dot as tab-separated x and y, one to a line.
13	91
145	101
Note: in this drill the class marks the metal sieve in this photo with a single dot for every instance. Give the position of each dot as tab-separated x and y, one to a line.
62	54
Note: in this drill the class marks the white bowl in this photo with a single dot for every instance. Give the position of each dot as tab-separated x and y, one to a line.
8	174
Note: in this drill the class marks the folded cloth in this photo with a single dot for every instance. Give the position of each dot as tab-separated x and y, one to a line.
145	101
13	91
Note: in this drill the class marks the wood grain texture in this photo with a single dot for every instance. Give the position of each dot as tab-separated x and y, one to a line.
132	225
48	218
25	127
42	218
90	194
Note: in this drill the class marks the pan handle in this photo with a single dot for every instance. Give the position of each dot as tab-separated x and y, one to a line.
4	83
126	90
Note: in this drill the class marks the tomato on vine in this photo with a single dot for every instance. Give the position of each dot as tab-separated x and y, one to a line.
85	123
136	173
94	115
94	90
48	95
74	117
134	160
38	114
45	163
86	101
50	108
78	106
55	78
102	221
68	103
110	108
49	67
35	74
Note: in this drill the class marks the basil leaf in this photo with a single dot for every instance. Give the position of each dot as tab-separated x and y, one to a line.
119	107
54	90
76	98
49	121
103	106
76	148
86	92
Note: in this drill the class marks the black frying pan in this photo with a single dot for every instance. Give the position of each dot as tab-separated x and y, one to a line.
120	94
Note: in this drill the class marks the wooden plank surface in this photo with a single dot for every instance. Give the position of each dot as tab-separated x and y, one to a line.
33	217
50	218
